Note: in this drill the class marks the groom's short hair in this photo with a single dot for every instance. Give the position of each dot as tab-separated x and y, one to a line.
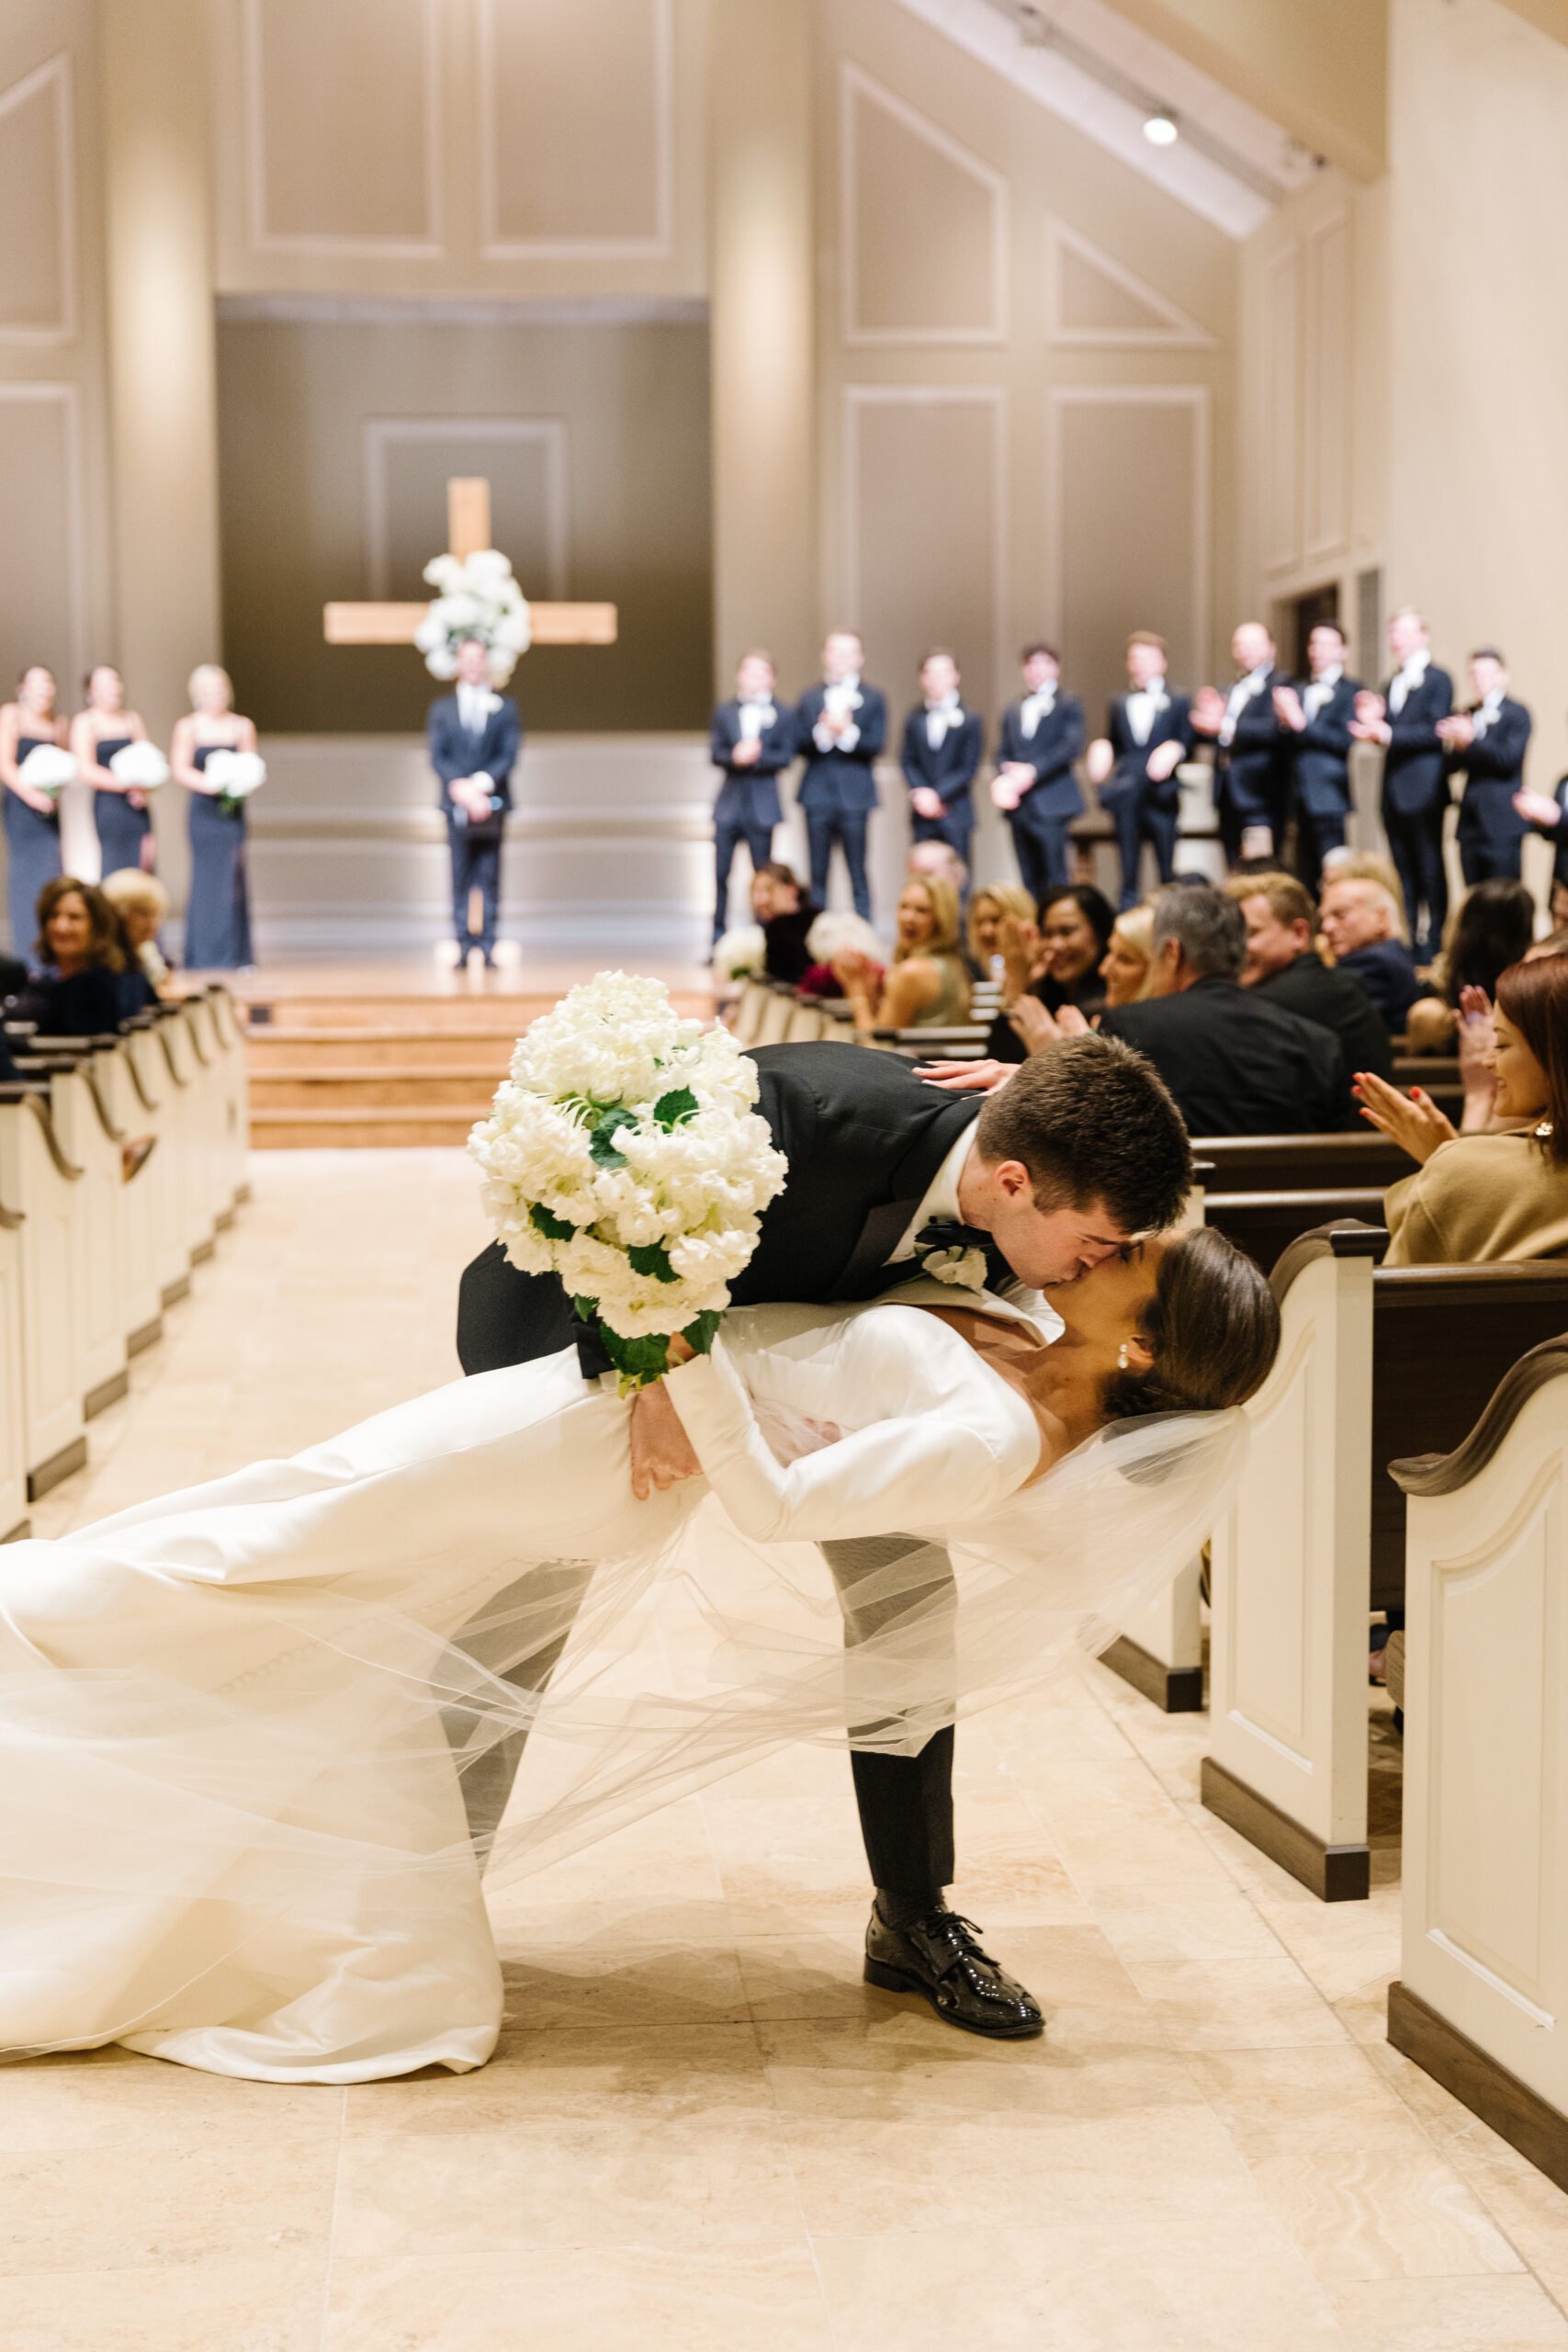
1092	1120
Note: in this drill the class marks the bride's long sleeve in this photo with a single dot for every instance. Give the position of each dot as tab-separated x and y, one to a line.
955	1441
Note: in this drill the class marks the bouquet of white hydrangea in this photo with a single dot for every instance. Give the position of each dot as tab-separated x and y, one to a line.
476	597
624	1155
48	768
237	775
141	765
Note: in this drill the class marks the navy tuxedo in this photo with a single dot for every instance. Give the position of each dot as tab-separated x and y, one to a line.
948	771
747	808
1558	834
1040	823
1414	796
454	751
1252	773
1490	827
1140	809
1320	756
837	790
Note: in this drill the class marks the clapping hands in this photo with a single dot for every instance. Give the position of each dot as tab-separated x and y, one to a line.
1413	1120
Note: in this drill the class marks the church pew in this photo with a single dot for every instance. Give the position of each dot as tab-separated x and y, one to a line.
235	1094
1353	1162
42	1185
91	1137
1265	1223
1483	1960
1376	1362
750	1006
14	1521
157	1114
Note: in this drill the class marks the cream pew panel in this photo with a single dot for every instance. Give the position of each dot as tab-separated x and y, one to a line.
235	1126
174	1036
38	1181
13	1417
1160	1651
156	1113
91	1140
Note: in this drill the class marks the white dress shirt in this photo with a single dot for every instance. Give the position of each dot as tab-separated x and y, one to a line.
474	707
1144	707
756	716
1482	718
840	699
1411	675
1241	694
941	716
1321	690
1034	708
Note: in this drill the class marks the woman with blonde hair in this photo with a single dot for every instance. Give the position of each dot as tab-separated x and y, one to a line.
1127	966
996	913
142	905
218	912
926	987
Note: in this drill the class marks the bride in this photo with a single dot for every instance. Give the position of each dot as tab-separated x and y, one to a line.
236	1724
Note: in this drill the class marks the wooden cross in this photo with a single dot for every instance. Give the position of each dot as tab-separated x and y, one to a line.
468	533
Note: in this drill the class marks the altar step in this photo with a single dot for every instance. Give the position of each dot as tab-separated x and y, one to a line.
362	1127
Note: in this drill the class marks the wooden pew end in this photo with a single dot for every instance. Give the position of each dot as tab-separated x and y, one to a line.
1334	1873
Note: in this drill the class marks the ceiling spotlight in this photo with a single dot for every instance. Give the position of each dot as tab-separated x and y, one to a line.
1161	128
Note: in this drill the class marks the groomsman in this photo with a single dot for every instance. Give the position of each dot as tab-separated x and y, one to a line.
474	738
1488	742
1148	734
1252	767
1042	736
751	740
1317	715
1404	719
1547	813
942	742
842	727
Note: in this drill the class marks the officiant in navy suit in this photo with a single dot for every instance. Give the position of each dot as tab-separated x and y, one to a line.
751	742
942	742
842	727
475	737
1042	737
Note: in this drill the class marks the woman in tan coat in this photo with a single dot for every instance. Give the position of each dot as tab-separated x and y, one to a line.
1480	1198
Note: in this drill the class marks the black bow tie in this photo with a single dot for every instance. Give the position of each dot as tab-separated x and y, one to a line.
946	1233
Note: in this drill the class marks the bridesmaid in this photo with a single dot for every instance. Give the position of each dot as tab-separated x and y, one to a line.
32	820
97	732
218	912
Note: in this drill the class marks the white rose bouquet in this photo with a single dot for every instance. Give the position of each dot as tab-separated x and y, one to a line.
141	765
476	597
48	768
237	775
624	1153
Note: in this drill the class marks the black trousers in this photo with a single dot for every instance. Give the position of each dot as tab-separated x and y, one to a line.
848	828
1043	846
1484	859
1316	836
476	864
955	829
1415	845
1136	823
728	836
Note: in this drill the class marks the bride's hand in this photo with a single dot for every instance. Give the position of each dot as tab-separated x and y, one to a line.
662	1451
967	1077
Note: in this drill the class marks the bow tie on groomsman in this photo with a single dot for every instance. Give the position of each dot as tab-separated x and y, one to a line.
941	717
1034	708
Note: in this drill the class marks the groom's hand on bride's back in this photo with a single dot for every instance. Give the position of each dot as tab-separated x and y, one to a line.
662	1451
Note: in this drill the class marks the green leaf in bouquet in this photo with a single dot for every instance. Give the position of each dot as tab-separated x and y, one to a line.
652	1258
699	1333
672	1108
553	1228
601	1149
636	1361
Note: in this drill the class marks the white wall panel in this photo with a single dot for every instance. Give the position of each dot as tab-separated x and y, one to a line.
37	257
1325	390
923	224
41	531
343	126
576	126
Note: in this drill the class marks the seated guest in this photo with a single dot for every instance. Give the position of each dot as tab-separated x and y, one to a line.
991	910
1478	1199
1285	969
1237	1064
142	905
939	862
942	742
1127	966
1057	965
13	977
74	992
751	742
1491	928
1367	865
926	987
1360	922
786	912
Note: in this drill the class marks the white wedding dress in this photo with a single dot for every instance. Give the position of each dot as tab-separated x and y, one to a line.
236	1724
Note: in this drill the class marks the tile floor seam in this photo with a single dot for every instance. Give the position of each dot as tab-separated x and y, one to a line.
332	2225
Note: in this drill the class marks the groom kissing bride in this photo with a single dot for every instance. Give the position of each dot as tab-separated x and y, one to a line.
891	1178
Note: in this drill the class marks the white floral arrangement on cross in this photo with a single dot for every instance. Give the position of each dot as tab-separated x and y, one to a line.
476	597
624	1153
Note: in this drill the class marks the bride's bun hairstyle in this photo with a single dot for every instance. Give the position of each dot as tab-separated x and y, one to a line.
1091	1120
1213	1327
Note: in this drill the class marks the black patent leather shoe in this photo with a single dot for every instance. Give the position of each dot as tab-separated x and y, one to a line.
939	1957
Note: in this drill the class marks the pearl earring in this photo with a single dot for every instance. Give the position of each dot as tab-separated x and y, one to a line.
1122	1357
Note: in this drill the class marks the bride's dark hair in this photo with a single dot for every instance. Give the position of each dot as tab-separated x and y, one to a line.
1212	1326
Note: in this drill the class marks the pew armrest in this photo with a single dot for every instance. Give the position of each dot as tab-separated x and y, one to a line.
1345	1237
1444	1474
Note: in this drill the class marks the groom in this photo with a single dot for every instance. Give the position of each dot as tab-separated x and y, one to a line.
1051	1174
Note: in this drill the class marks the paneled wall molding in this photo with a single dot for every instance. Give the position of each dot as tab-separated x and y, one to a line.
1064	402
857	92
1164	325
383	435
428	244
50	90
657	242
1280	503
64	534
464	311
1325	445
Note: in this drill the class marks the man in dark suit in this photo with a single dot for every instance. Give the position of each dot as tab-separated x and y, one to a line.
1286	969
1359	919
1404	719
751	742
1235	1065
1547	813
1042	735
475	737
1052	1174
1148	734
1488	742
1252	763
842	727
1315	714
942	742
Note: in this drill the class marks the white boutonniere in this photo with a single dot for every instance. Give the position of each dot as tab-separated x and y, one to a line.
964	1269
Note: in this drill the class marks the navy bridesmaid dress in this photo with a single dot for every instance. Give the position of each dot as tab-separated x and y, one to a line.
32	855
121	829
217	912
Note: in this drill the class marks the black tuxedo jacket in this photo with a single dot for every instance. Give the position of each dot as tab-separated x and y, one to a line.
1056	742
454	752
839	782
951	771
1557	834
1131	771
1321	753
863	1139
1415	768
1493	767
1253	777
1238	1066
750	796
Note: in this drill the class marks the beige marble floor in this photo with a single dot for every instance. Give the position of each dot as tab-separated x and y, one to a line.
701	2130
